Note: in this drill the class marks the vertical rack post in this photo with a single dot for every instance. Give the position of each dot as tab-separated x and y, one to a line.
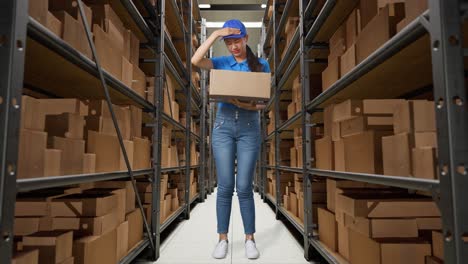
306	132
12	54
277	110
157	130
450	97
188	91
203	120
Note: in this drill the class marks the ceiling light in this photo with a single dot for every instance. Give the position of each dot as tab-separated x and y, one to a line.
263	5
246	24
204	6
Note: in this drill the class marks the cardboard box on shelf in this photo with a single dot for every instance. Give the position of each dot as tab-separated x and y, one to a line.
135	227
424	163
96	249
299	157
31	160
136	120
346	110
343	241
65	125
380	106
175	204
228	84
397	155
293	203
109	157
54	246
89	163
286	203
109	56
72	9
32	116
328	229
385	251
60	106
121	200
331	74
437	244
385	205
129	192
429	223
73	32
25	257
414	8
83	205
175	111
368	9
339	156
379	30
38	10
363	152
122	240
334	187
337	43
127	73
139	81
72	154
324	153
415	116
54	24
300	209
353	28
348	60
134	47
52	162
70	260
29	225
425	139
142	153
168	204
88	225
293	157
291	109
383	228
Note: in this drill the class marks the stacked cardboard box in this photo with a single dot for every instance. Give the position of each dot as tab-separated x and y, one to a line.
73	225
116	46
67	127
392	137
370	25
293	197
102	137
51	138
296	151
362	224
166	202
171	107
289	30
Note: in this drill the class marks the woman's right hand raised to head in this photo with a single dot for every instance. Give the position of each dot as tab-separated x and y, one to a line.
227	31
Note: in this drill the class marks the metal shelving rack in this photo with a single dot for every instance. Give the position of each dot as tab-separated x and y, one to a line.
16	27
436	35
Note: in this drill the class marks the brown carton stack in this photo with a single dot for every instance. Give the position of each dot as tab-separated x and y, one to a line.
355	126
171	108
145	192
381	218
53	246
57	124
412	150
289	30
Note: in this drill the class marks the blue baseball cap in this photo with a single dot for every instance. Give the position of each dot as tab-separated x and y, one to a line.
235	23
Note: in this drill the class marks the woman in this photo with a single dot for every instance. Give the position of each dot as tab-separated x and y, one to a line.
236	136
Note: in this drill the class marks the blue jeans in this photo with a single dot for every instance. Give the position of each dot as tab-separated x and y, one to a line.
236	135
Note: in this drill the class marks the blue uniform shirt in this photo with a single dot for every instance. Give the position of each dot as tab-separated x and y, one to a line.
230	63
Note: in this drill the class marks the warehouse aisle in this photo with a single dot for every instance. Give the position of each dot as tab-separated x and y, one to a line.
192	241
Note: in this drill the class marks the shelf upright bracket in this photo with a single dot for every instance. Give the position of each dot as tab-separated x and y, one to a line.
188	91
12	56
450	96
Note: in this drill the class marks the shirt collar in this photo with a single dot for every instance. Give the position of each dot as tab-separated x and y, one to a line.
232	61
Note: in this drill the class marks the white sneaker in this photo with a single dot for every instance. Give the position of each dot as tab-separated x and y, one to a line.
251	251
221	250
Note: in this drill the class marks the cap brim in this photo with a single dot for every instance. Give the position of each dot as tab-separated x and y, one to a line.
233	36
